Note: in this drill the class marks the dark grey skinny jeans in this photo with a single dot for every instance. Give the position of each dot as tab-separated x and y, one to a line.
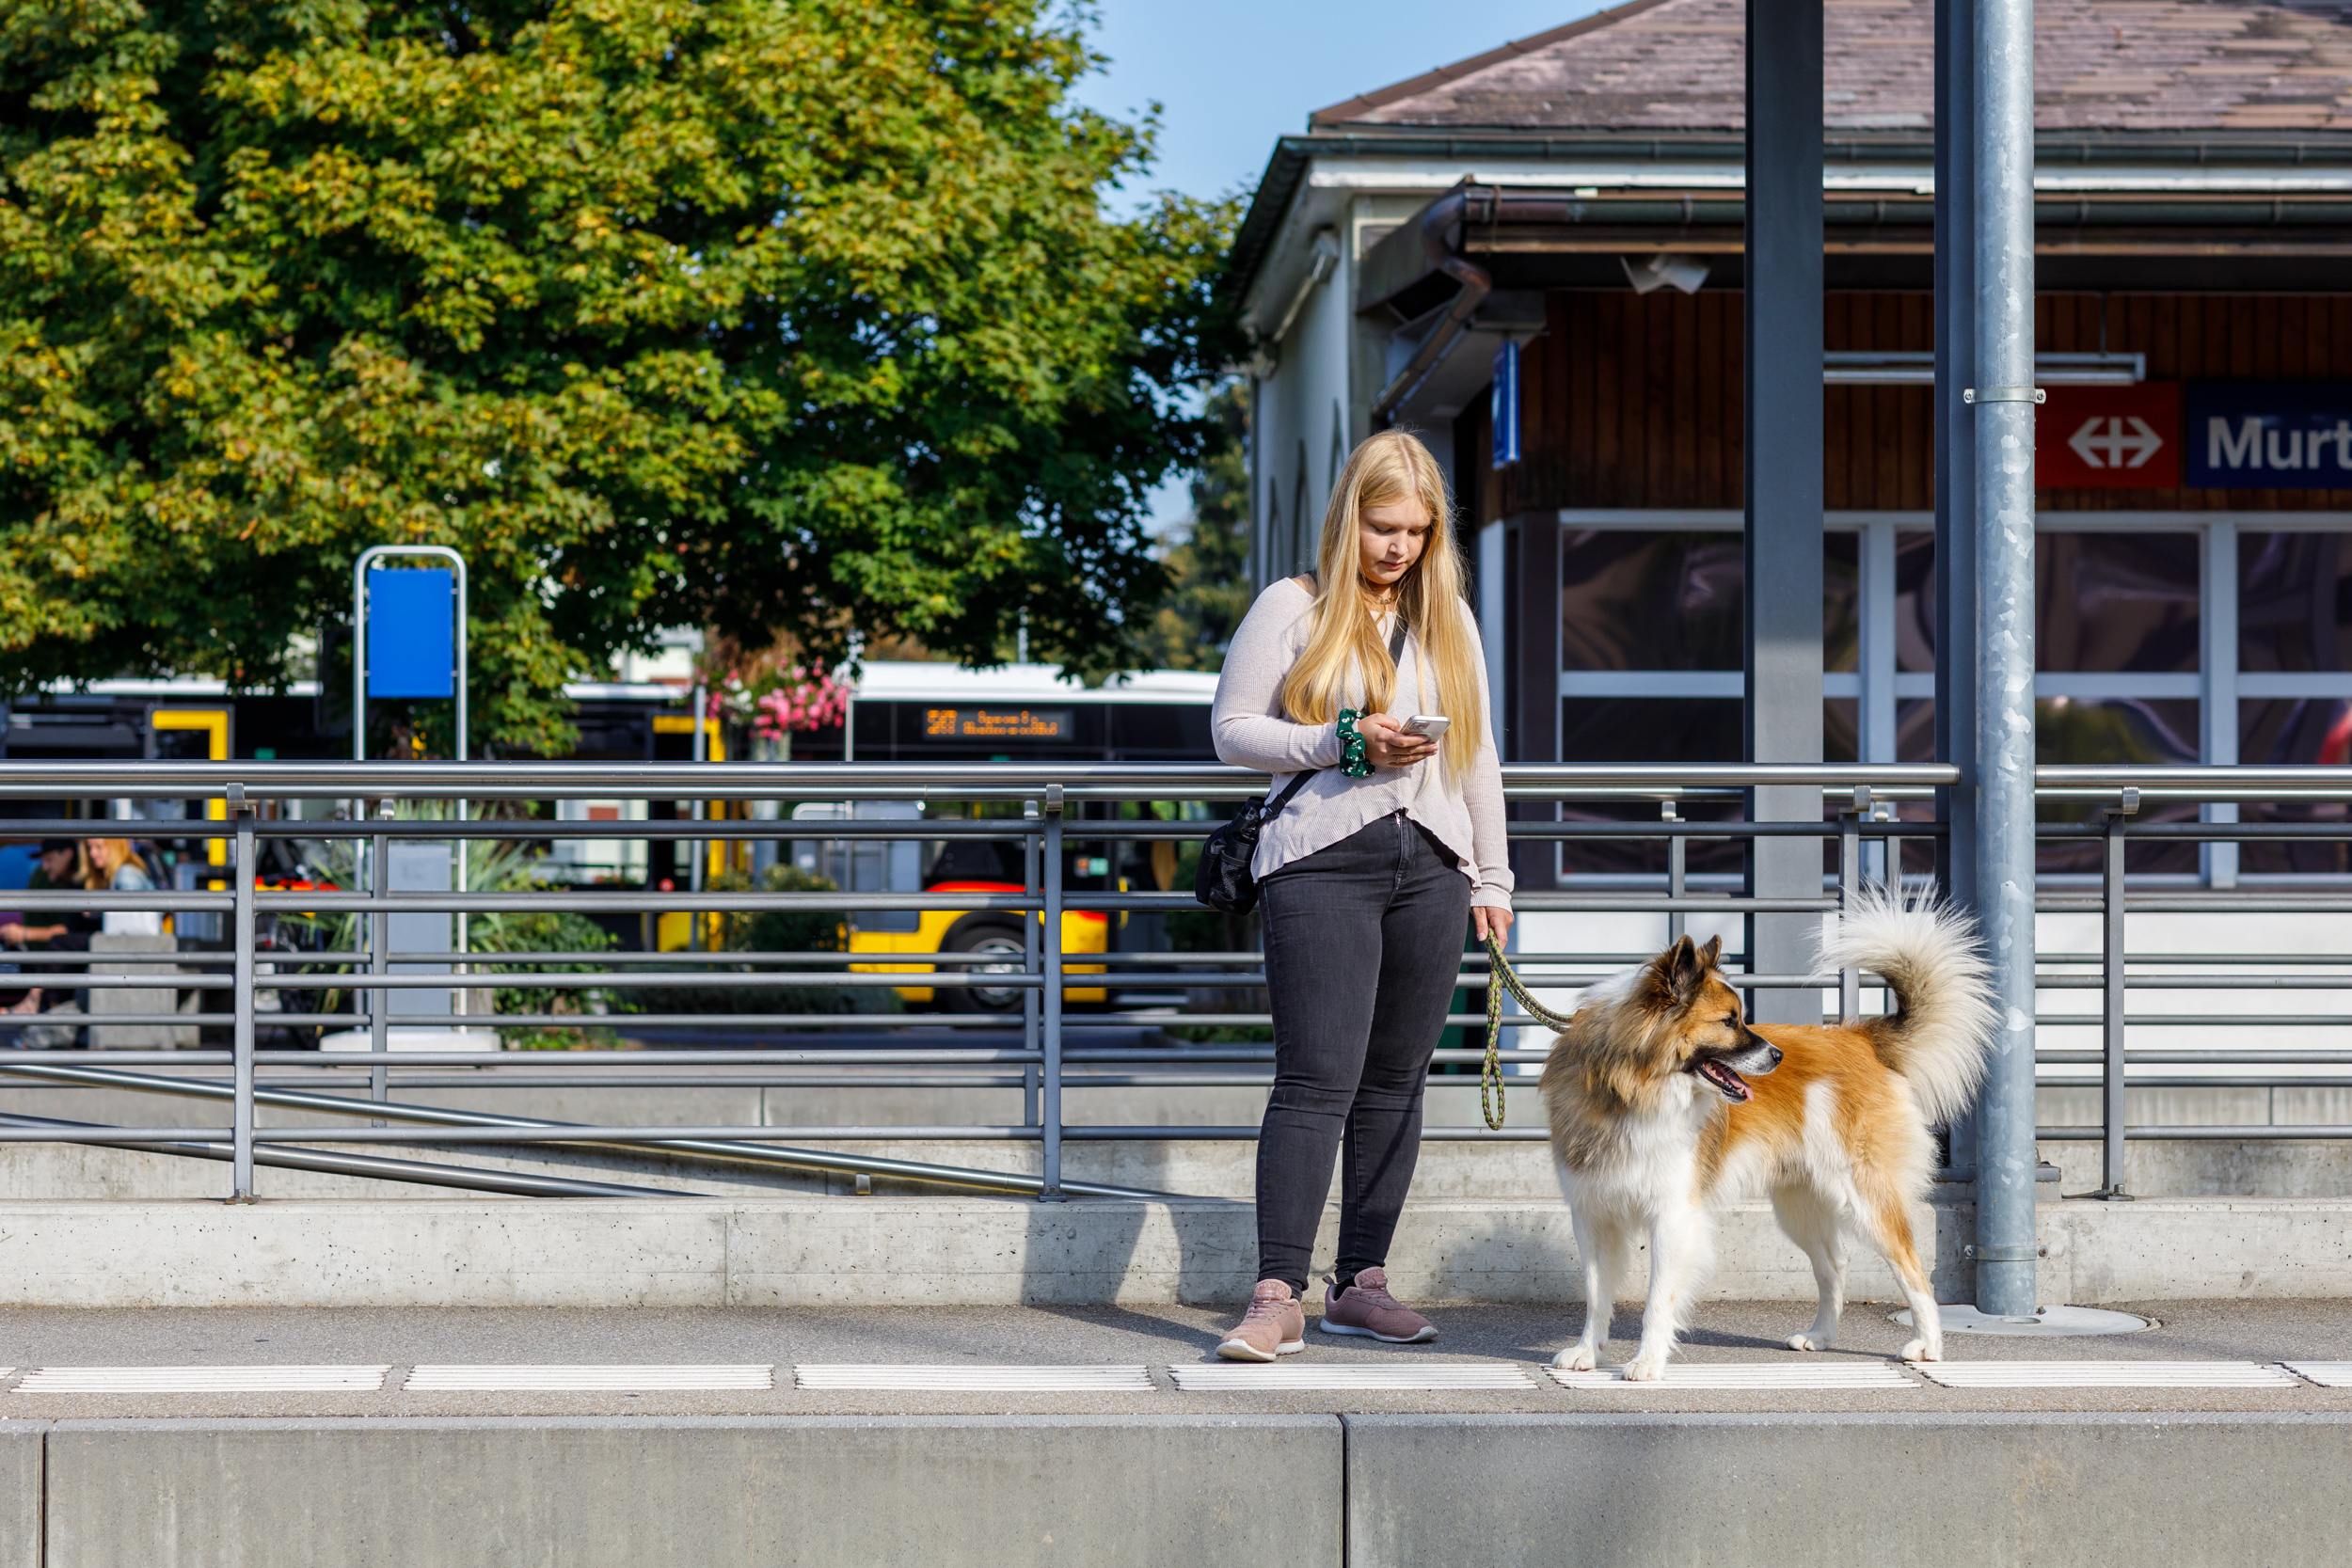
1363	940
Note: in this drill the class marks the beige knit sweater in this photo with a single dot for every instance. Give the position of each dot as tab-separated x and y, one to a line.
1255	731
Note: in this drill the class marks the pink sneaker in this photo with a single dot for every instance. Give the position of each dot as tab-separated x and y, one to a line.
1366	1307
1274	1325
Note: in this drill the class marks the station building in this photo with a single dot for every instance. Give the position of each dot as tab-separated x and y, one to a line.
1532	258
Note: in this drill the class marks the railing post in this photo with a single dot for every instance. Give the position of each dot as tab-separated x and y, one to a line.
1848	889
2003	396
1049	1109
240	1038
1032	965
1677	874
379	952
2114	955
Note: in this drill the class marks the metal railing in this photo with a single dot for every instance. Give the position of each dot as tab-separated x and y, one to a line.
1048	1054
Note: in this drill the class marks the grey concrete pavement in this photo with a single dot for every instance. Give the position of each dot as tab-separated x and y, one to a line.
1156	1337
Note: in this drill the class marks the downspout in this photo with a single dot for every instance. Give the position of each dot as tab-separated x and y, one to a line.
1443	214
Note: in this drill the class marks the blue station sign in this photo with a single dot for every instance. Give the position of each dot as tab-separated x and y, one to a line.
2268	435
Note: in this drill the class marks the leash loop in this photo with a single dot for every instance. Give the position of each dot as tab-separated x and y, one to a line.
1490	1073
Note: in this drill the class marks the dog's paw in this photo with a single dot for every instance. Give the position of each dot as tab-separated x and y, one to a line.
1646	1369
1808	1341
1576	1358
1919	1350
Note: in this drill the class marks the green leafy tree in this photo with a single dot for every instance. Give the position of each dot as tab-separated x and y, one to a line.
1208	565
795	318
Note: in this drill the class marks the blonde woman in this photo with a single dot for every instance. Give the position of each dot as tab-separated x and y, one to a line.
1369	875
115	866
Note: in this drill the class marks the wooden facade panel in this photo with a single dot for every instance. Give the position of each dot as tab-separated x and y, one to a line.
1635	400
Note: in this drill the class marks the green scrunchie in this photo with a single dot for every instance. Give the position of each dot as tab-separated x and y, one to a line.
1352	760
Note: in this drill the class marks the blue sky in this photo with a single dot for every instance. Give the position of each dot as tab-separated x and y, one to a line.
1231	75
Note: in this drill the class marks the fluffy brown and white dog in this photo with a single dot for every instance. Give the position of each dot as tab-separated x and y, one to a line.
1665	1104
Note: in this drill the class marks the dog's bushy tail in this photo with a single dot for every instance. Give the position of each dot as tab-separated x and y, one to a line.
1943	1020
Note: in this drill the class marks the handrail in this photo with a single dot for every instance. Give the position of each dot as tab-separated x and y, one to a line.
835	780
270	989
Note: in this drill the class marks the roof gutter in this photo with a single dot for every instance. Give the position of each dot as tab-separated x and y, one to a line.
2073	149
1435	224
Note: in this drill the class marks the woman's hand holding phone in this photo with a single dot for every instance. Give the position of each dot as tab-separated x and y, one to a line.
1390	744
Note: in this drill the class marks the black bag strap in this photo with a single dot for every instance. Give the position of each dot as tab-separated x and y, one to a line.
1298	781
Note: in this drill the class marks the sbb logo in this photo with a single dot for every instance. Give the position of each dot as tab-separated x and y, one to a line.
2109	437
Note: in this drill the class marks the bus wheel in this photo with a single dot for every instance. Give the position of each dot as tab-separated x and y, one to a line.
993	938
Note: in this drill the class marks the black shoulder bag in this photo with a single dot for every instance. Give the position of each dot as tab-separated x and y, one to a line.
1226	880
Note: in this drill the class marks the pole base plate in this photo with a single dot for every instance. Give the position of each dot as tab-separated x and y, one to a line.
2048	1323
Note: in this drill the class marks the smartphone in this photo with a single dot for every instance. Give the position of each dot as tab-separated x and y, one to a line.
1427	724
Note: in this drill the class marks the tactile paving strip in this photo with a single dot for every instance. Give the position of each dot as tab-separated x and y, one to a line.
2327	1375
1746	1374
951	1380
585	1379
201	1380
2105	1374
1240	1376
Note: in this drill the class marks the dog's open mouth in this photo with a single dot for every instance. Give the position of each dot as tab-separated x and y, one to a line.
1728	1082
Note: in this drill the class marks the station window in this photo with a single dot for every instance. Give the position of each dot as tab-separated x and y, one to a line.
2134	663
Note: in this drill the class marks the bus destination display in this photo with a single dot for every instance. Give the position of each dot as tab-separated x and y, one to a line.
997	723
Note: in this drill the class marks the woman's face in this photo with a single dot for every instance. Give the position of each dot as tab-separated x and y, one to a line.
1388	540
100	852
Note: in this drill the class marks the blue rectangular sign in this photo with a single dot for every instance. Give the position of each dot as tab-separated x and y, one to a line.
1503	411
412	633
2268	435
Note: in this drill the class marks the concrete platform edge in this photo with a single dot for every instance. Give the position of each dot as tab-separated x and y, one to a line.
2096	1491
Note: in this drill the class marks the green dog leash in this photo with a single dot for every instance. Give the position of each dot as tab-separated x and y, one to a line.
1490	1075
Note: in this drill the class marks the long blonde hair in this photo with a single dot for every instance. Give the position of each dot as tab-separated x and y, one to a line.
98	873
1388	468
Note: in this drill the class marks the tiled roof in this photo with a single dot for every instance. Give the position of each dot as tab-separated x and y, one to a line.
2106	65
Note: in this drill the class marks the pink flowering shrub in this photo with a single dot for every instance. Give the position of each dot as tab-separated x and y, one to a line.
801	701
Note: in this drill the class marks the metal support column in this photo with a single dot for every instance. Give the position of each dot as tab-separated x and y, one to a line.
241	1036
2114	954
1782	456
1049	1108
1956	478
2003	399
1533	639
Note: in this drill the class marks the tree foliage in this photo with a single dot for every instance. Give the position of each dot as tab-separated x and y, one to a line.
1209	566
796	316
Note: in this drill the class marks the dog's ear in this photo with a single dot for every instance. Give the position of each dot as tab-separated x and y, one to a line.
1712	953
1683	970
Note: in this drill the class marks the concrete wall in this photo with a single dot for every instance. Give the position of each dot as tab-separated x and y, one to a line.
22	1452
746	1492
1370	1491
880	1251
1632	1491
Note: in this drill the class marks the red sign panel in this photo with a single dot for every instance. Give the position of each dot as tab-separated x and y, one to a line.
2109	437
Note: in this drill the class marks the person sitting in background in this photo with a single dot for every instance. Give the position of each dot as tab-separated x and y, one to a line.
61	867
114	866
